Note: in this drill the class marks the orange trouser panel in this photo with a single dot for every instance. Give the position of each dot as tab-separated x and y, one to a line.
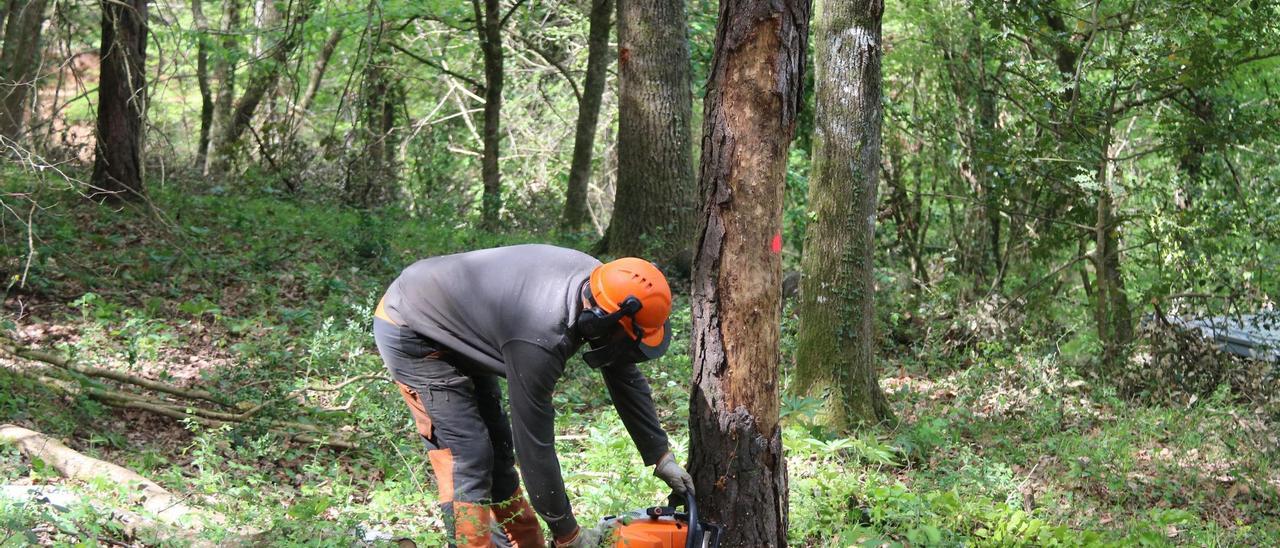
381	312
421	419
442	465
472	525
519	522
441	459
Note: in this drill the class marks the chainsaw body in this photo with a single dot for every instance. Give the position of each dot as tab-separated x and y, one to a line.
662	527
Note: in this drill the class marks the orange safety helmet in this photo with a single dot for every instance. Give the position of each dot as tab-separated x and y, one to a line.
632	293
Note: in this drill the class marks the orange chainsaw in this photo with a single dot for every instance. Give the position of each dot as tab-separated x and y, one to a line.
663	527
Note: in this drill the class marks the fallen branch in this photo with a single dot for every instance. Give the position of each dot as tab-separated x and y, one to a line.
14	349
301	391
153	498
202	416
178	410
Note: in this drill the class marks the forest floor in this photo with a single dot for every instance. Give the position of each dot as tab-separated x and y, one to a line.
254	297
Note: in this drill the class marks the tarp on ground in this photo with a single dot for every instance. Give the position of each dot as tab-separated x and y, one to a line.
1254	336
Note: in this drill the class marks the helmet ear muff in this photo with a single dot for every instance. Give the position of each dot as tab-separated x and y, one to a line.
595	323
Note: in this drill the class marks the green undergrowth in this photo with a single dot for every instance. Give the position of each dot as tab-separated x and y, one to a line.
995	455
252	297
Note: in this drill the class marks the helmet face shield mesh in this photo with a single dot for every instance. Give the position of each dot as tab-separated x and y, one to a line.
608	335
622	349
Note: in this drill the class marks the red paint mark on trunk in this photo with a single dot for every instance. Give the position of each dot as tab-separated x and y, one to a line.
776	246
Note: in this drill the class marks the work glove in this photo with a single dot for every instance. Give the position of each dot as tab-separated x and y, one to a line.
585	538
675	476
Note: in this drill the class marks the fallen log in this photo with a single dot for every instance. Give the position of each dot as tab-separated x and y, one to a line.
168	509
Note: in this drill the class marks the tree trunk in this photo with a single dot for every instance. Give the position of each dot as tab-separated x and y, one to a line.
263	78
489	27
372	177
836	346
985	173
753	94
202	78
224	73
1191	161
979	254
5	5
19	64
653	207
575	203
318	70
1112	313
122	95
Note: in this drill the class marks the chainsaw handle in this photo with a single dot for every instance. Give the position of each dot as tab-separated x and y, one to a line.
694	539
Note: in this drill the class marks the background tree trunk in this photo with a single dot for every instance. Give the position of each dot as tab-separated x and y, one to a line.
224	73
4	14
489	26
202	79
122	95
653	207
735	440
262	81
19	64
1112	312
836	346
965	60
318	70
372	175
575	203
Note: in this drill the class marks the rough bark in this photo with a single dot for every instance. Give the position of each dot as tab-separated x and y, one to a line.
575	203
653	207
263	77
202	79
122	96
836	346
489	27
750	114
19	64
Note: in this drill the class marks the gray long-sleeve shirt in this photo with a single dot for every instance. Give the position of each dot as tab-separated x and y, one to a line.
509	310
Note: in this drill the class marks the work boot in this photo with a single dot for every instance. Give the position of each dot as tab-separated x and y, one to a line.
519	522
472	525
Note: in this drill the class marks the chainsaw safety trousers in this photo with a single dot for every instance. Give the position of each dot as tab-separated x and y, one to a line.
464	426
454	413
